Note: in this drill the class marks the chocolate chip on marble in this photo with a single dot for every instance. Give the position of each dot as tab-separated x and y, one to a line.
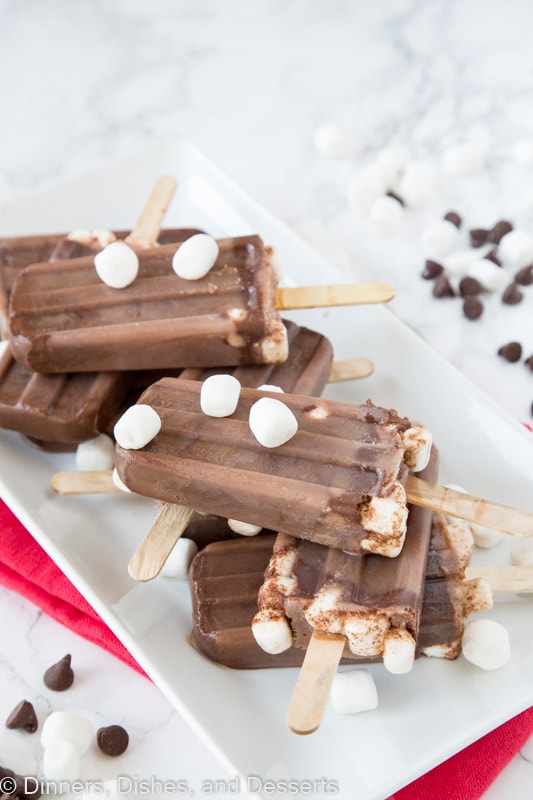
23	716
112	740
512	295
501	229
512	352
529	363
432	269
472	307
524	276
395	196
479	237
442	287
493	256
469	286
59	676
454	218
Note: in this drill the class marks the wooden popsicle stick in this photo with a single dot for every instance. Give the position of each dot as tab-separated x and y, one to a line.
148	225
473	509
312	689
504	578
343	294
350	369
84	482
149	558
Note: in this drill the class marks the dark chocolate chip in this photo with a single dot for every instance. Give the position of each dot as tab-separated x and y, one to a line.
501	229
512	295
512	351
479	237
112	740
454	218
524	276
23	716
432	269
493	256
529	363
31	787
59	676
472	307
468	286
395	196
442	287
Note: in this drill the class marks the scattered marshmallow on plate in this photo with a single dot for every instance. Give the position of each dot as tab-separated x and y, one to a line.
219	395
63	726
137	426
272	422
387	214
117	265
96	453
178	563
439	238
354	691
516	248
418	183
486	644
195	257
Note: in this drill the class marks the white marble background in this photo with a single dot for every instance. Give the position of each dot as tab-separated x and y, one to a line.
249	83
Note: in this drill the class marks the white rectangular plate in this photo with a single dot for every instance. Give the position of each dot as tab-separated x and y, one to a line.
423	717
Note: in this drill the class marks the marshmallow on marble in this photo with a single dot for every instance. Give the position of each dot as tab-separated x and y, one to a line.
457	264
516	248
439	238
522	554
244	528
487	273
117	265
61	762
365	187
332	141
486	644
137	426
97	453
353	691
272	422
272	632
387	214
195	257
462	159
219	395
62	726
418	183
178	563
119	483
523	152
391	162
399	651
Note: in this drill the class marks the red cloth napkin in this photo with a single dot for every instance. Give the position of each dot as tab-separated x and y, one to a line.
27	569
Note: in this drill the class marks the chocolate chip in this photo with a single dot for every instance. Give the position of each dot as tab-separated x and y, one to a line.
454	218
512	295
469	286
479	237
23	716
501	229
472	307
395	196
524	276
529	363
511	352
112	740
442	287
59	676
432	269
493	256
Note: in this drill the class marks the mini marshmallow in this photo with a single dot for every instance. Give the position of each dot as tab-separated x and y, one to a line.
462	159
332	141
195	257
244	528
61	762
272	632
354	691
523	152
219	395
137	426
178	563
486	538
457	264
97	453
117	265
391	161
490	275
439	238
270	387
62	726
486	644
417	441
399	652
272	422
522	554
119	483
387	214
365	187
516	248
101	237
418	183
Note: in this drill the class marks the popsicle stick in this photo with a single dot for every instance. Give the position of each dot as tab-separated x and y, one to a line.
83	482
149	558
473	509
505	578
312	688
351	369
343	294
148	225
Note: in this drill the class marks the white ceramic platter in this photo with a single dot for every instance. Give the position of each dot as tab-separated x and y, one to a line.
423	717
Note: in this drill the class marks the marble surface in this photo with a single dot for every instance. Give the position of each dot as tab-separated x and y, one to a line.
250	83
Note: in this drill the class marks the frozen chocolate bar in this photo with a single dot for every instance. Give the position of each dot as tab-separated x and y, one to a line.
337	481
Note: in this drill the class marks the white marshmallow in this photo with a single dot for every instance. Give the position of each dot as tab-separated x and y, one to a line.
117	265
178	563
100	237
272	422
354	691
195	257
486	537
219	395
97	453
523	152
490	275
399	652
244	528
439	238
387	214
417	441
270	387
418	183
486	644
522	554
462	159
516	248
61	762
391	161
137	426
62	726
332	141
365	187
272	632
119	483
457	264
